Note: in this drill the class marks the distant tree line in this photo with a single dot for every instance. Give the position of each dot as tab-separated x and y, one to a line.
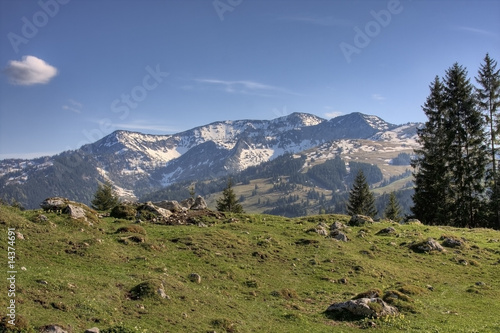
456	168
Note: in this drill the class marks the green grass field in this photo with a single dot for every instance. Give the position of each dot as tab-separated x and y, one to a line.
259	273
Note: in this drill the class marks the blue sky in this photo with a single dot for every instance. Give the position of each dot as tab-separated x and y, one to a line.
76	70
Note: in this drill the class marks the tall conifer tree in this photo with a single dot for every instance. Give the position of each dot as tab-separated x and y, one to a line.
432	178
466	158
361	200
488	96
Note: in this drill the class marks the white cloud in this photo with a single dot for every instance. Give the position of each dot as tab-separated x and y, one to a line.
73	106
333	114
378	97
246	87
29	71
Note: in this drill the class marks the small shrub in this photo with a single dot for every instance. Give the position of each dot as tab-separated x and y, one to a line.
224	324
123	211
146	289
21	325
372	293
134	229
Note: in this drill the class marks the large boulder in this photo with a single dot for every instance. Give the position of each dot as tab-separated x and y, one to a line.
53	329
364	308
199	204
170	205
75	212
187	203
430	245
360	220
149	211
54	203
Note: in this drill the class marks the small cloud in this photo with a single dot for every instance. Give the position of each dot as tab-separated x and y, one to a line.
378	97
477	31
29	71
145	126
74	106
245	87
333	114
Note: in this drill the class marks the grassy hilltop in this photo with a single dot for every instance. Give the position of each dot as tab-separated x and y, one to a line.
245	273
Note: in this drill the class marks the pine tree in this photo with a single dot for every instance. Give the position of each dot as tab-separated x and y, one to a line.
361	200
488	96
228	201
393	209
432	179
466	157
105	198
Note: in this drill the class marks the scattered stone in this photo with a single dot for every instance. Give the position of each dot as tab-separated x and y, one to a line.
429	287
54	203
339	235
429	245
193	277
360	220
53	329
364	308
337	226
187	203
170	205
320	229
199	204
75	212
387	231
343	281
43	218
42	282
480	283
19	235
413	221
453	242
149	211
92	330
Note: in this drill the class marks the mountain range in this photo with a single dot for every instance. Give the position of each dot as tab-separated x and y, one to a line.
138	164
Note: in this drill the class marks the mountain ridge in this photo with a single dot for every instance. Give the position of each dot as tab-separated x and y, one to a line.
138	163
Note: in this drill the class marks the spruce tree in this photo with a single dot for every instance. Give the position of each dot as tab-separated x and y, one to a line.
432	179
393	209
228	201
105	197
361	200
466	150
488	97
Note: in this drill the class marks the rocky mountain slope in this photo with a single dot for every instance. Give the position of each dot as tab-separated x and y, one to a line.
139	163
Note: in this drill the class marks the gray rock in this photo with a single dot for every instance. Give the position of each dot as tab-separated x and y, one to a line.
339	235
363	307
428	246
193	277
360	220
53	329
453	242
170	205
92	330
75	212
187	203
337	226
385	231
199	204
54	203
150	207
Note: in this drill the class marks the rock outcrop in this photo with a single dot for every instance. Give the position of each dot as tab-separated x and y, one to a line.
364	308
